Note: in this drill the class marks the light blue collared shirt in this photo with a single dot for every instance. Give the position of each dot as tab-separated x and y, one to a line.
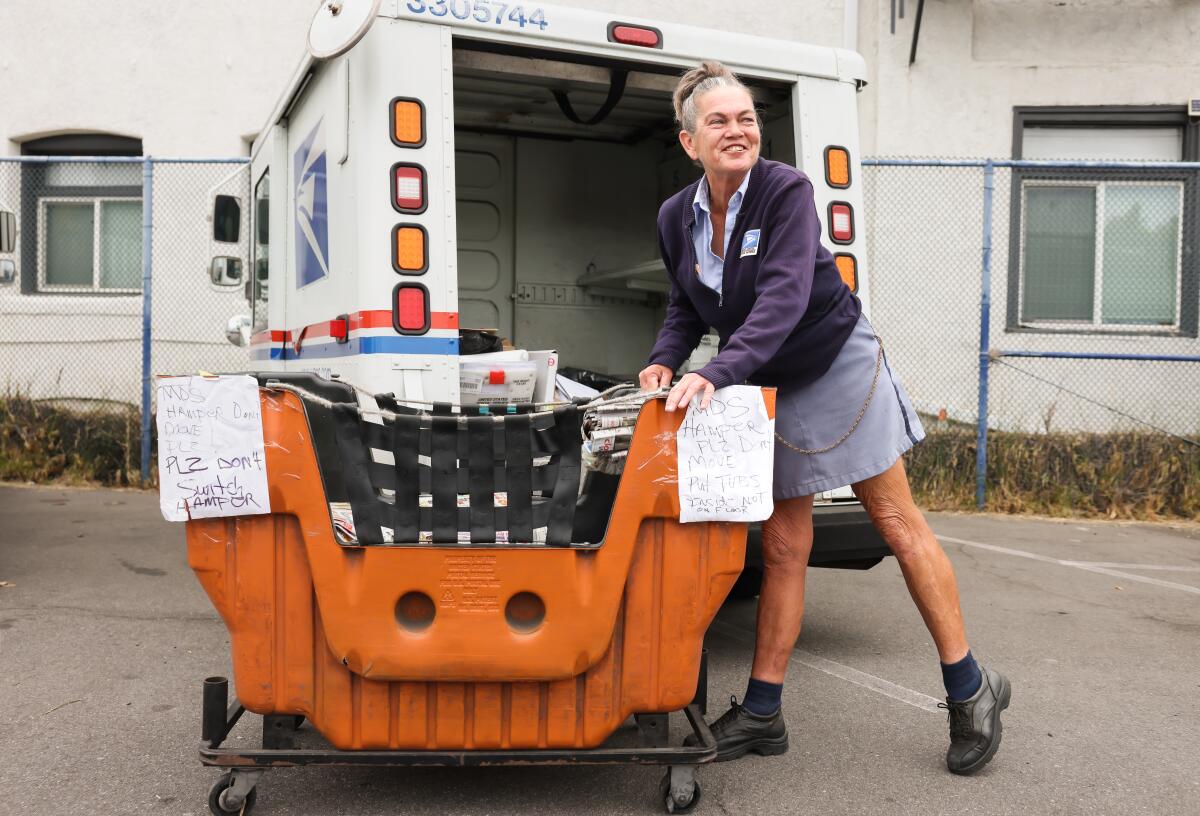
712	268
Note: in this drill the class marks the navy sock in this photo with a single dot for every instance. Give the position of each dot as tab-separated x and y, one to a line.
962	679
762	698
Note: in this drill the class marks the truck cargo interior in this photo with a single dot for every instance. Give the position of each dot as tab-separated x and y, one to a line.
560	170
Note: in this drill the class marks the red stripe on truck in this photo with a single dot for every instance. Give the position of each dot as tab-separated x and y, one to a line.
371	319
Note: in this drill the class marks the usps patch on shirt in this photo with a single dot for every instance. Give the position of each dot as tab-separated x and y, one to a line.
749	243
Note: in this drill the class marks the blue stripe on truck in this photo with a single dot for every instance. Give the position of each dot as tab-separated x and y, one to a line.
360	345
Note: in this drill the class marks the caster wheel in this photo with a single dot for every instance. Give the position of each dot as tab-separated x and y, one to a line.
214	798
671	804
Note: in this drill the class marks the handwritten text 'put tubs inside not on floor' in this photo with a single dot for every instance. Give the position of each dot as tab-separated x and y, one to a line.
726	455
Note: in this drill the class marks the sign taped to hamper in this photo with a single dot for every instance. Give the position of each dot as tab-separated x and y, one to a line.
210	447
726	457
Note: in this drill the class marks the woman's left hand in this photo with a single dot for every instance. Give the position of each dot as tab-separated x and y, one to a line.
688	387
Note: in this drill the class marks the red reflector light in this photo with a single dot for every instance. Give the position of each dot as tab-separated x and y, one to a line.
644	36
841	223
410	309
408	188
339	329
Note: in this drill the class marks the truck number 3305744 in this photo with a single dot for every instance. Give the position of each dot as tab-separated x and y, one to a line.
483	11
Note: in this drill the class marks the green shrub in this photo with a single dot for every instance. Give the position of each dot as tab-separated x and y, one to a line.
44	441
1118	475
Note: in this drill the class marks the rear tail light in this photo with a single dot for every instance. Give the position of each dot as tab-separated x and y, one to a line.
841	222
847	267
410	308
408	122
837	167
409	249
627	34
408	188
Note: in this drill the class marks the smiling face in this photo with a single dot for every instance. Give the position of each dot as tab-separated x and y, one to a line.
727	139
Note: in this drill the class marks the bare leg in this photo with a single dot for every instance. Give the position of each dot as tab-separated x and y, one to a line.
927	570
787	542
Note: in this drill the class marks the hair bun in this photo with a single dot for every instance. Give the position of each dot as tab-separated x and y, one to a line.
703	78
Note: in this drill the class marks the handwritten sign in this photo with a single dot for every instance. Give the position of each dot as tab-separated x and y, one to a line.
726	457
210	448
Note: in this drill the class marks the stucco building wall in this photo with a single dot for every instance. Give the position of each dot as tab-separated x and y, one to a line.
192	79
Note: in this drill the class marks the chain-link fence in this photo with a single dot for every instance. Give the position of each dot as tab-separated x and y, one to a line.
1076	285
1059	298
105	281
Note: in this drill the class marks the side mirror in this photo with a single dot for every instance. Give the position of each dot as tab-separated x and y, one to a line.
8	231
225	271
237	330
227	219
8	271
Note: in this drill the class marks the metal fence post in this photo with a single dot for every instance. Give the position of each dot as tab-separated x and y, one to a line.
147	275
985	307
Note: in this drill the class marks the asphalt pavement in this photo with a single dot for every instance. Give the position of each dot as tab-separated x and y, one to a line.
105	637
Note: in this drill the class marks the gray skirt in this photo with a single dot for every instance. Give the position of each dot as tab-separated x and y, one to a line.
818	414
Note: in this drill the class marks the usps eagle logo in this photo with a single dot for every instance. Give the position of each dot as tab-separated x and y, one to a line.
749	243
312	209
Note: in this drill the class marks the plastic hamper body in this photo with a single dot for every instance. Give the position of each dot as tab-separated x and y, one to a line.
315	631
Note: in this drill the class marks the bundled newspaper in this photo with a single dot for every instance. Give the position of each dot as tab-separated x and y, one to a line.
608	428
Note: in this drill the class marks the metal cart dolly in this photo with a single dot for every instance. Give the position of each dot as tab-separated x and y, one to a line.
236	791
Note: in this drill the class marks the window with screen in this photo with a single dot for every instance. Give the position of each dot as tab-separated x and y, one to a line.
90	245
1100	248
86	217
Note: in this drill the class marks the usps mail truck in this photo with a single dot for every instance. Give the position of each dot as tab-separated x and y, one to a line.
441	165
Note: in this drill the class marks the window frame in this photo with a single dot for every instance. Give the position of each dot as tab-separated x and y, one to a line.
1097	324
34	187
42	223
1187	290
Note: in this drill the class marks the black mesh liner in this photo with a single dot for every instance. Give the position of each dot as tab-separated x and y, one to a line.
533	459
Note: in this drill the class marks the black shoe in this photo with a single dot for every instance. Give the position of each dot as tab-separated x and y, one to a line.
738	731
975	728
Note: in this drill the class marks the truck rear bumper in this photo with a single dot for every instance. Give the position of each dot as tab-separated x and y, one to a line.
843	536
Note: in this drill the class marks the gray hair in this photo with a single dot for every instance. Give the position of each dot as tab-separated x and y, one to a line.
695	84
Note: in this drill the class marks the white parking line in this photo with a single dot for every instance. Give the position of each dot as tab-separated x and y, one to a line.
859	678
1112	565
1082	565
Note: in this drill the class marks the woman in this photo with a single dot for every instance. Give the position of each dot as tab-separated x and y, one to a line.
742	247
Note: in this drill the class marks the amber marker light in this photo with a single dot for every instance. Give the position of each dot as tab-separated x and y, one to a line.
409	256
847	267
837	167
408	122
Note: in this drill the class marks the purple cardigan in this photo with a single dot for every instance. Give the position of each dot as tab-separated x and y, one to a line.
783	313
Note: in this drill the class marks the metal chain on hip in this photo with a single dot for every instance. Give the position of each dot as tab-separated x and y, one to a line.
861	411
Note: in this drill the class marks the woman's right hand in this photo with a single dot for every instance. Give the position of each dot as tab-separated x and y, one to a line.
654	377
